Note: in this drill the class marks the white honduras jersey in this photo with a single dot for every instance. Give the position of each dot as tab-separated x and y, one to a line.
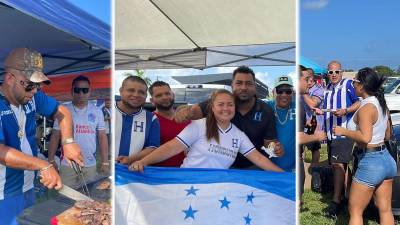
87	122
210	154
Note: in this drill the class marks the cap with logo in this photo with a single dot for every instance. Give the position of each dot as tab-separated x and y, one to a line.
283	80
27	62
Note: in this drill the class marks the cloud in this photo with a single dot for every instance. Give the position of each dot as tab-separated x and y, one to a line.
315	4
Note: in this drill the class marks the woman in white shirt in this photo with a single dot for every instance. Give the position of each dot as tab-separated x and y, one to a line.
213	142
369	128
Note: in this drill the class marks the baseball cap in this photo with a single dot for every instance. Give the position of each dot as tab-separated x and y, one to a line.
27	62
283	80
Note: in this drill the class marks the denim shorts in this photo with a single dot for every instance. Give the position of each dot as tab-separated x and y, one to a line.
374	168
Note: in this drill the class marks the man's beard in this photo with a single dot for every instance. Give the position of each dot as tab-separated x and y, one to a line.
241	101
165	108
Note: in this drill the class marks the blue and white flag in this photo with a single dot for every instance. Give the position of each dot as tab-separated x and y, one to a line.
175	196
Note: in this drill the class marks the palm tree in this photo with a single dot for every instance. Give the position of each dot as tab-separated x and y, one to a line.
140	73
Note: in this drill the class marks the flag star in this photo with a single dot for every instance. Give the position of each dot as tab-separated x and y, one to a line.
191	191
189	213
250	197
247	219
224	203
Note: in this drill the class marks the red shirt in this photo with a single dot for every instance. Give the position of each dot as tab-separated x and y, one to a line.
169	129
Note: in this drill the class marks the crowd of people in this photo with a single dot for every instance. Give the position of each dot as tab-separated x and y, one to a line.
354	122
209	134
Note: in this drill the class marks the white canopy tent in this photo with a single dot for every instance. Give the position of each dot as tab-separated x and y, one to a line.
158	34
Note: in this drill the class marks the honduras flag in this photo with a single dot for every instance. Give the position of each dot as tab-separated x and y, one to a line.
175	196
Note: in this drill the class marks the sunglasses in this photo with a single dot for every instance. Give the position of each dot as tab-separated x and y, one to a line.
355	81
286	91
79	90
334	71
28	86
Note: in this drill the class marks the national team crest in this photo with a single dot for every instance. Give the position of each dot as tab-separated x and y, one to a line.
91	118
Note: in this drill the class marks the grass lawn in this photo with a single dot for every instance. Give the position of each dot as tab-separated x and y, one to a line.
315	204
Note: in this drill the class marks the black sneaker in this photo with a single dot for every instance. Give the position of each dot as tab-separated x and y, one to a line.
333	210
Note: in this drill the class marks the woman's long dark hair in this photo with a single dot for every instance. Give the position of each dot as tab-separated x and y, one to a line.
211	121
372	83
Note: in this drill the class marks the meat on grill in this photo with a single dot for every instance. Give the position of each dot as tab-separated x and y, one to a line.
94	212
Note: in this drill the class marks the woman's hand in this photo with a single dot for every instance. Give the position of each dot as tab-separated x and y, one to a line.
137	166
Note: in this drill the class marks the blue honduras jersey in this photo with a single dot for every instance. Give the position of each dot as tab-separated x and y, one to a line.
135	132
15	181
340	96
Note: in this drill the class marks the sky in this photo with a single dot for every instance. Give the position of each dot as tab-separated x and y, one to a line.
356	33
101	9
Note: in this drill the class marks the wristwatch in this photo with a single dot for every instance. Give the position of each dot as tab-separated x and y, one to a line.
67	141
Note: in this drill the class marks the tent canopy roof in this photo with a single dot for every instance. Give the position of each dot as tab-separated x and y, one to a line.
69	39
202	34
313	65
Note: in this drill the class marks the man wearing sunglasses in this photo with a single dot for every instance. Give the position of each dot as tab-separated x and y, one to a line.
340	102
89	129
253	116
20	100
284	108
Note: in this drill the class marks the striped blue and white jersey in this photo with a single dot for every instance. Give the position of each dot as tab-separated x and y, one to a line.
15	182
135	132
338	96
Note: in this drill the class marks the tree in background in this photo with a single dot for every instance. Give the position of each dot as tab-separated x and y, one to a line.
384	70
140	73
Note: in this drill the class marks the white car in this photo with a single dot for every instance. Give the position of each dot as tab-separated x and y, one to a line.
392	95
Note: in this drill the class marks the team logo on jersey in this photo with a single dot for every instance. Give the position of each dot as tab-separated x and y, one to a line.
6	112
138	127
235	143
257	116
91	118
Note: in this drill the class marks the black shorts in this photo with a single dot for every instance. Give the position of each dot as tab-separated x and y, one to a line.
340	150
314	146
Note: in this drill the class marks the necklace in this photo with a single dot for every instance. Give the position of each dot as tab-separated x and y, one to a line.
80	112
20	121
279	119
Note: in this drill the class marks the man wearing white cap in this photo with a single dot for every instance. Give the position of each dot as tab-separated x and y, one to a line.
20	100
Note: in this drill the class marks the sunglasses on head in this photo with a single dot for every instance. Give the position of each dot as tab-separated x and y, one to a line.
355	81
28	86
334	71
286	91
79	90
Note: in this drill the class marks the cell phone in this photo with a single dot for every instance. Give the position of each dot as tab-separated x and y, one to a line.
328	110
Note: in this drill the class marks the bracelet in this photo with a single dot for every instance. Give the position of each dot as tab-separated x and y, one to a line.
67	141
46	168
105	163
52	161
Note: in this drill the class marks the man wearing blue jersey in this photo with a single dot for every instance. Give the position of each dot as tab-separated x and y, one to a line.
285	122
137	131
340	102
20	100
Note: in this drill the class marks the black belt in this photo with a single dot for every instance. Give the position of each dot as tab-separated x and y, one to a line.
371	149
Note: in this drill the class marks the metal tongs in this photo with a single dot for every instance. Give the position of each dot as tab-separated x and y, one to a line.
78	170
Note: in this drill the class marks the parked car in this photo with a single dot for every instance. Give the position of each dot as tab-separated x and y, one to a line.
389	81
392	95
